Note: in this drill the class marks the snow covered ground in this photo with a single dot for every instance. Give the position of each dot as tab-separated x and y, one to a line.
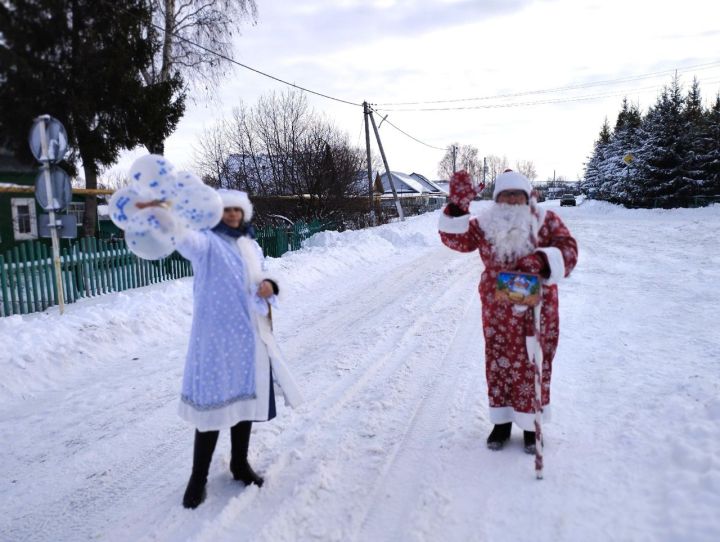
383	328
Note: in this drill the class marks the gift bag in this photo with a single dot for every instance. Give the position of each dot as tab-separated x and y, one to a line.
518	288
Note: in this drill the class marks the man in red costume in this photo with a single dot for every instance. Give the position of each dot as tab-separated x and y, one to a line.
512	234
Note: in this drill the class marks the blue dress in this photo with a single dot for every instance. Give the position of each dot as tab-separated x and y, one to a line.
220	369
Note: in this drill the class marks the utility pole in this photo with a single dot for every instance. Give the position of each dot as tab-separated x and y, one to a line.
484	170
454	154
387	169
366	113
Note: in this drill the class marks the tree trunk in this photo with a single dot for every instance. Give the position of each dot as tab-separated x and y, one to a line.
90	216
167	42
155	148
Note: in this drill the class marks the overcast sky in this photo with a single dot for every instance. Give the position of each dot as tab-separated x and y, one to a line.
388	51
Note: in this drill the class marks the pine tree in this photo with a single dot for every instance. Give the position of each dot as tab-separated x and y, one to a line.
592	179
662	177
710	163
696	141
80	60
625	141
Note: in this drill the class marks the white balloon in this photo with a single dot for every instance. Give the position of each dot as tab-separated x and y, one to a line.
198	207
164	188
150	233
150	170
185	179
122	204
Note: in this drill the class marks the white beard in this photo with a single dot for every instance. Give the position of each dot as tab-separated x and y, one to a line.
508	228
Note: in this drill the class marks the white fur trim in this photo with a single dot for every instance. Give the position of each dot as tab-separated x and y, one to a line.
283	377
556	262
524	420
253	257
453	224
512	180
237	198
255	263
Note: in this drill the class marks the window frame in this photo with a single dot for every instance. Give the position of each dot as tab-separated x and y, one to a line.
15	204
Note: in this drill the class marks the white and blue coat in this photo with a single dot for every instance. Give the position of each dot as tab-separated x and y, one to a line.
227	375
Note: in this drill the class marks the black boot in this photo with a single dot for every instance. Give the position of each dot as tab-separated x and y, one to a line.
498	436
529	438
202	456
239	466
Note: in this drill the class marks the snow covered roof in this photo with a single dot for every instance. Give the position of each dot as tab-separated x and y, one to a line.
432	186
409	184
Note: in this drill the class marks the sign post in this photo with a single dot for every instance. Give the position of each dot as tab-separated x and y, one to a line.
39	134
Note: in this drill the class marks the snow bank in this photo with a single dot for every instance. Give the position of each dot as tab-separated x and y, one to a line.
329	254
41	349
38	350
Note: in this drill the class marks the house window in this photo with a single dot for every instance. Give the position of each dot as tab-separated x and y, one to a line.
77	208
23	218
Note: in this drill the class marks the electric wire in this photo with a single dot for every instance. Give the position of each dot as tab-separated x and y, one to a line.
528	103
697	67
483	98
233	61
412	137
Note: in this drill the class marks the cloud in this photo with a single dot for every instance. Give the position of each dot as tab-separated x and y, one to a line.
315	27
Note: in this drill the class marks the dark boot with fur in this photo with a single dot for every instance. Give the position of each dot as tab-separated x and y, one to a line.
529	439
239	466
202	456
499	435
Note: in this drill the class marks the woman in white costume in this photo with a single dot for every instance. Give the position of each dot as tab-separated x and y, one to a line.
232	357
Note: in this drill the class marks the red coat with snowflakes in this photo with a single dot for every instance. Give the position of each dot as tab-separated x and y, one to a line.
510	373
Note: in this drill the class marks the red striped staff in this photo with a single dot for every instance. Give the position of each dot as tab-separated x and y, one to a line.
535	351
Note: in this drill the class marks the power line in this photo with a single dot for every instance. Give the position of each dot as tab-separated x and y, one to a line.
523	104
412	137
233	61
560	89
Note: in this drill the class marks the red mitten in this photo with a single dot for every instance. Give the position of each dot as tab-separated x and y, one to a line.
462	191
533	263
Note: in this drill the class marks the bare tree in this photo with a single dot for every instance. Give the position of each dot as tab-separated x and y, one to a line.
495	166
211	154
281	147
466	157
186	24
527	168
113	179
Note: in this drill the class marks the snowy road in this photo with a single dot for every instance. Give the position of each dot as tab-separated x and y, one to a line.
383	328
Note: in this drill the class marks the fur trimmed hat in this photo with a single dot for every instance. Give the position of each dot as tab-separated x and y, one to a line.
512	180
237	198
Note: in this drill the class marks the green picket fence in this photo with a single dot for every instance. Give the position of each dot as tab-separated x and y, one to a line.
92	267
89	267
277	241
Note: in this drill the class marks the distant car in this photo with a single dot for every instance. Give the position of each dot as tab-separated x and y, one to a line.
567	199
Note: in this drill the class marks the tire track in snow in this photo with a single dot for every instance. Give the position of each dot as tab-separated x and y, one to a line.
408	493
370	413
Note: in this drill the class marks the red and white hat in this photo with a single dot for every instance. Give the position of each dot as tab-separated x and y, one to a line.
511	180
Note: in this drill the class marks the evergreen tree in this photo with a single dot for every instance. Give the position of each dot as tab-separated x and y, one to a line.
592	178
662	177
696	141
625	141
710	164
80	60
